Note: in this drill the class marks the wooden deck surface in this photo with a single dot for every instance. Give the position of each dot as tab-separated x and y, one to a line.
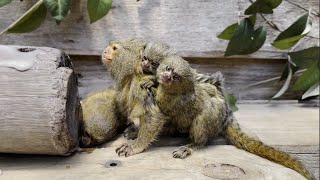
289	126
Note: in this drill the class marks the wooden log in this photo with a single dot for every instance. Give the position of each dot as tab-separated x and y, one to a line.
39	104
187	25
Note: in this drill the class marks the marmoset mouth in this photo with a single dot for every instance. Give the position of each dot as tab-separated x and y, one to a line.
107	56
106	60
164	80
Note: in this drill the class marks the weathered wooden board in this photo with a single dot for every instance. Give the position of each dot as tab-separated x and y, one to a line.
39	107
157	163
281	124
291	127
239	74
189	26
154	164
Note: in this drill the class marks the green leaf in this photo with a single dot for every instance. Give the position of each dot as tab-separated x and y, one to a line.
4	2
253	18
98	9
246	40
285	71
262	6
312	91
228	32
301	59
287	43
305	58
285	85
232	102
30	21
58	8
308	78
294	33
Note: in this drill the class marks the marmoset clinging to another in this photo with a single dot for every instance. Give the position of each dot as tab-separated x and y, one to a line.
189	107
126	60
105	113
100	124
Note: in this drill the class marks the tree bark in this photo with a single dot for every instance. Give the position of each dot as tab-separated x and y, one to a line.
39	105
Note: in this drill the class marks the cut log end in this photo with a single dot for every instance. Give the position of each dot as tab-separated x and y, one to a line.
40	105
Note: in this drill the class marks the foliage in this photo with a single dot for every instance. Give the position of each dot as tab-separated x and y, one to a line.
293	34
245	39
232	102
4	2
245	34
98	9
30	21
58	9
262	6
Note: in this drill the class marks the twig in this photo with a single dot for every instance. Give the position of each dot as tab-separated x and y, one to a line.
271	24
275	27
271	79
297	5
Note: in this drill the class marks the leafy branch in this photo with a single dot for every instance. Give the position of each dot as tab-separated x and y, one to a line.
58	9
297	5
245	39
275	27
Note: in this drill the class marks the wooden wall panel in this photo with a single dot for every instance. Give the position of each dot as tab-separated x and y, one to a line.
187	25
239	73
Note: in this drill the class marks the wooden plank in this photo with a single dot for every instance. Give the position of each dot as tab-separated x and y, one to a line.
239	74
281	124
189	26
39	107
153	164
290	127
157	163
293	128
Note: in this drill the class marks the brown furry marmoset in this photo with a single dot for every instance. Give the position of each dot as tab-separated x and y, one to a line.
188	106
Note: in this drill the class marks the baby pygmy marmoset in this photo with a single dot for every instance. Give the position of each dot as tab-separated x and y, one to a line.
100	118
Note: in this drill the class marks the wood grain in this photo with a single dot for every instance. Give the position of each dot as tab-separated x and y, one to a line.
157	162
239	74
189	26
39	108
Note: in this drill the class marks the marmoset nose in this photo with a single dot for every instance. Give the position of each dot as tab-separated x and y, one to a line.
145	65
166	77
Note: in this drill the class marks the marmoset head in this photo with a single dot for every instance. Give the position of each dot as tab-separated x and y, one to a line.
175	73
122	56
153	55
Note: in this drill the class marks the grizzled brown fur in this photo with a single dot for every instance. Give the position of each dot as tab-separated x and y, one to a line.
190	107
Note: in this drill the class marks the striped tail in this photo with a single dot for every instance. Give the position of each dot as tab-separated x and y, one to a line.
242	141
